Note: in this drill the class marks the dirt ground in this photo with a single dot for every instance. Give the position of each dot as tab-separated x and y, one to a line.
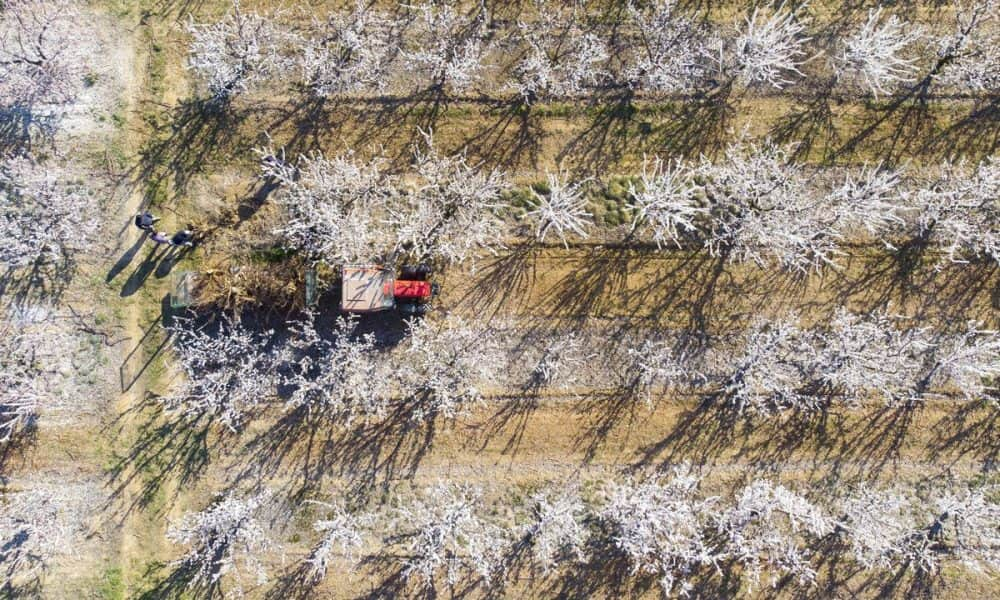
140	136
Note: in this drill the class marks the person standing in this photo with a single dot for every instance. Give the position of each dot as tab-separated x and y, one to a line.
145	220
183	238
160	237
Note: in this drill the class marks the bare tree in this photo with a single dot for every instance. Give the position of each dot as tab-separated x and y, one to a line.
453	212
562	363
668	202
235	53
662	527
350	52
341	531
771	528
969	362
959	213
563	209
769	49
969	58
556	530
655	367
45	214
36	363
762	210
40	63
229	370
673	50
449	50
339	373
39	523
882	531
768	373
870	201
560	59
336	208
446	365
226	539
443	531
860	355
875	53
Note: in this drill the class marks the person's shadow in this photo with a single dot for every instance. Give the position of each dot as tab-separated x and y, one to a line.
142	272
171	258
126	258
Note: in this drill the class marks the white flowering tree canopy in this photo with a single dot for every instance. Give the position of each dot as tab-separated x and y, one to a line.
556	530
960	211
662	527
561	58
770	48
764	212
875	56
226	539
229	370
768	373
40	65
870	201
39	522
453	212
655	367
349	52
673	50
668	202
969	362
871	355
970	56
341	535
883	531
445	48
336	208
338	372
563	362
442	533
37	360
236	53
46	215
562	210
446	366
770	529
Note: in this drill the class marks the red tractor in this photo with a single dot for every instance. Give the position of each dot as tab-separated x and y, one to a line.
375	288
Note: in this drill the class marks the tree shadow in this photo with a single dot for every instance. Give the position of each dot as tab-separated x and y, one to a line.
176	582
499	282
974	136
838	444
513	139
184	144
609	135
165	448
308	444
40	282
972	431
136	361
809	125
16	449
22	128
701	125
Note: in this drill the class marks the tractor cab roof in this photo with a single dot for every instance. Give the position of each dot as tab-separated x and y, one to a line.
367	288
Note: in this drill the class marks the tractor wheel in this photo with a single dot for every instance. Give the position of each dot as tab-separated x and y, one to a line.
416	272
415	309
